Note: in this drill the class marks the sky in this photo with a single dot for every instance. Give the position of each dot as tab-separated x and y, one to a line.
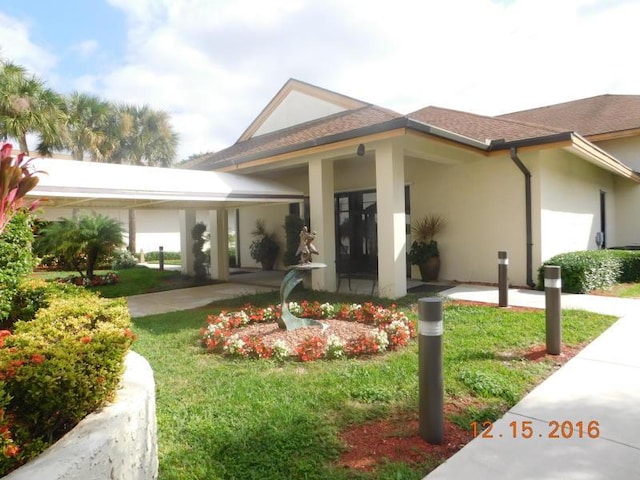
213	65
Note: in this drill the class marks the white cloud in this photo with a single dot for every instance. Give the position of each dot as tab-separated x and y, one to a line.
215	64
15	45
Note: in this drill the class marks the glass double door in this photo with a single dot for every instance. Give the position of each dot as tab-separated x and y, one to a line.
356	232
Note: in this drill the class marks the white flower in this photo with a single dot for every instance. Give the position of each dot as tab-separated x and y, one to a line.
382	339
327	310
295	308
280	350
234	345
335	347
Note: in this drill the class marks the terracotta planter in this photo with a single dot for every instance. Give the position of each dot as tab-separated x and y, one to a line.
430	269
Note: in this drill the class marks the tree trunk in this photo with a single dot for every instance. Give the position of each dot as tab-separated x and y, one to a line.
132	231
92	258
22	141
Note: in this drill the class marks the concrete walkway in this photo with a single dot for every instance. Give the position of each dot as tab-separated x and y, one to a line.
187	298
601	384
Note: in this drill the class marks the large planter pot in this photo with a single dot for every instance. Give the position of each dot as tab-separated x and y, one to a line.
430	269
268	263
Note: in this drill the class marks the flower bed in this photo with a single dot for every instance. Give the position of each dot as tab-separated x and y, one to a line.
110	278
350	330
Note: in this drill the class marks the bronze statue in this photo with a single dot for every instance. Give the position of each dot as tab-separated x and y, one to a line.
306	249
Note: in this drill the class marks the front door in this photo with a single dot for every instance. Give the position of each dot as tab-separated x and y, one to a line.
356	232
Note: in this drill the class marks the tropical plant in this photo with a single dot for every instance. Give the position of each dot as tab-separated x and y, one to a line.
199	257
139	135
27	106
16	179
425	246
88	125
83	241
264	248
292	226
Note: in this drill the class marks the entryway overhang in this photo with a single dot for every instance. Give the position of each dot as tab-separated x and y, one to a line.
91	185
71	183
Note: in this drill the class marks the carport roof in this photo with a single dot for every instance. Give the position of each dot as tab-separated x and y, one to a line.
71	183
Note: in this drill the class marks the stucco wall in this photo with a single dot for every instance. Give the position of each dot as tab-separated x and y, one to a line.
482	200
627	212
118	442
570	203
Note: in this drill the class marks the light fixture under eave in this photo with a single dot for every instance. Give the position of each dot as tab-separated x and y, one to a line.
360	150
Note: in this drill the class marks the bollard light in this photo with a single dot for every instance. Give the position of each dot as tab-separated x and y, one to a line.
431	383
553	309
161	258
503	279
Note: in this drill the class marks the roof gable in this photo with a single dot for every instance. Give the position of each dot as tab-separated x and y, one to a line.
604	114
296	103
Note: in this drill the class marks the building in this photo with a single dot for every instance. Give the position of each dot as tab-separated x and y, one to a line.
534	183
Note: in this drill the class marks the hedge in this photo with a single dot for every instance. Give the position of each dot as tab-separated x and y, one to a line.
58	367
585	271
16	259
154	256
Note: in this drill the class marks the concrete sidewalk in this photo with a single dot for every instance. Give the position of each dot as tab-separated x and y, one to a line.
187	298
601	384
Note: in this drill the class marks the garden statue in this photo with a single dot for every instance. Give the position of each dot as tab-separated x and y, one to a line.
294	276
306	248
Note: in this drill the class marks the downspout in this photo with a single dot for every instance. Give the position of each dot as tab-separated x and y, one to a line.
527	199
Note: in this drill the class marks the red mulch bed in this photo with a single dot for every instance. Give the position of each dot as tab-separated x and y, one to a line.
396	439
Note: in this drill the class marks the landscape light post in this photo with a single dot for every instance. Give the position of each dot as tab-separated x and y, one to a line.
431	383
503	279
553	309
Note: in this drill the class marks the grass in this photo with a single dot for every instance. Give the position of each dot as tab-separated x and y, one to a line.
625	290
230	419
134	281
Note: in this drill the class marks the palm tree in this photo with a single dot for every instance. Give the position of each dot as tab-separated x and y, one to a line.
82	242
27	106
146	138
150	138
88	124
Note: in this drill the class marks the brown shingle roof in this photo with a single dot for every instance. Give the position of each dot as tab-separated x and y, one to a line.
588	116
273	142
479	127
591	116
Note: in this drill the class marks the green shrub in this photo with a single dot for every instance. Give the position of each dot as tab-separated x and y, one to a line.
585	271
123	259
292	227
34	294
57	368
16	259
154	256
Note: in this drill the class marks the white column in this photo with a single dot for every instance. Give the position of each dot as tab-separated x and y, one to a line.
219	230
187	222
323	222
392	269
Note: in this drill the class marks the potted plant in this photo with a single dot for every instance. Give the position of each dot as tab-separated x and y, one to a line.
424	250
264	248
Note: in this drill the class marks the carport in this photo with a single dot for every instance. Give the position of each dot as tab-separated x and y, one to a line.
76	184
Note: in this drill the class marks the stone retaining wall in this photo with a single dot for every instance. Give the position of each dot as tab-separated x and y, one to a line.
118	442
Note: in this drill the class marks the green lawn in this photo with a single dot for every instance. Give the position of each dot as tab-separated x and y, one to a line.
625	290
134	281
230	419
